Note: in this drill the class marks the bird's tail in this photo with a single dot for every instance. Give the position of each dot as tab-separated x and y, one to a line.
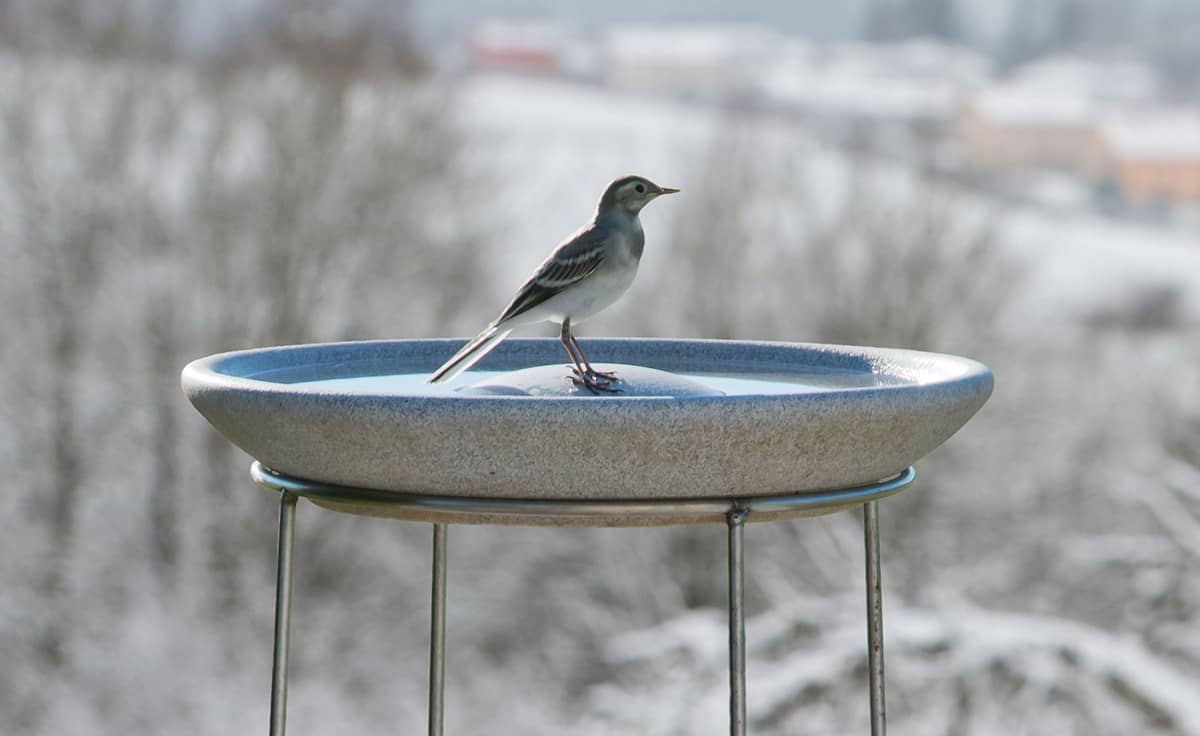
470	354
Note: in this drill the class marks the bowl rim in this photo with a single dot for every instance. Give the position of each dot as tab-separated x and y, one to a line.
938	370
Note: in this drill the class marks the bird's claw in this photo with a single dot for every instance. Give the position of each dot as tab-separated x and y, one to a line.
593	385
595	376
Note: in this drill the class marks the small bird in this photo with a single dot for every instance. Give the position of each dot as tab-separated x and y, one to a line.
586	273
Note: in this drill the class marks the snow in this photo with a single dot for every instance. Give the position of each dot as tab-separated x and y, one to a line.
918	58
686	45
1082	263
1116	658
1065	91
870	95
1113	82
1168	136
930	650
1031	105
917	80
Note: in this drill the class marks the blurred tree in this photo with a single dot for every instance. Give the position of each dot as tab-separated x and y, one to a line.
343	37
69	228
112	28
154	213
347	38
331	229
875	256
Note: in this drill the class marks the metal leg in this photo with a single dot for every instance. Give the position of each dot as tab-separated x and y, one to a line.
437	633
874	618
737	624
283	612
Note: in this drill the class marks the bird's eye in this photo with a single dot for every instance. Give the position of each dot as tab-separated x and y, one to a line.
640	189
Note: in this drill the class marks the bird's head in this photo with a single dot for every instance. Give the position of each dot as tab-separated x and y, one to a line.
631	194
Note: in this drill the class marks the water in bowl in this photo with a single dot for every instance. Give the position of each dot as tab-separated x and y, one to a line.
730	384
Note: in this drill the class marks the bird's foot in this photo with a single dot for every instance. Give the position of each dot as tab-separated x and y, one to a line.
594	385
591	374
606	376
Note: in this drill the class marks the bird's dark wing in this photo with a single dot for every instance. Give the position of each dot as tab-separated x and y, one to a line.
571	262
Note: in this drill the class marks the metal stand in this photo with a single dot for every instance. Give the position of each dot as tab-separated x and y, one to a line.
874	618
737	623
446	510
283	612
437	633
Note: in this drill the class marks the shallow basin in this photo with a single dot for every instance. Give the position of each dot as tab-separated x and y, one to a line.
695	418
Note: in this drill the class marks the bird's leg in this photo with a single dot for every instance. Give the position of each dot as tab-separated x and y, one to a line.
585	377
605	376
565	338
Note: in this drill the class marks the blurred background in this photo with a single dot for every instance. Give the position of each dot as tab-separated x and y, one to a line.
1014	181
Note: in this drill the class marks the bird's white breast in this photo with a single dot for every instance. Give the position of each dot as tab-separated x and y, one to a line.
603	287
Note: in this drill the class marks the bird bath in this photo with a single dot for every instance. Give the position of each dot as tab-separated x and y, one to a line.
702	431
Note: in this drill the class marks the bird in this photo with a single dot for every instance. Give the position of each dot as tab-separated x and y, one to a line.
585	274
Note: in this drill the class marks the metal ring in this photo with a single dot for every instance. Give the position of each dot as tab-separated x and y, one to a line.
575	512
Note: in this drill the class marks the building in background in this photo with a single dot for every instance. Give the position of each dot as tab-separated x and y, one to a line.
1155	157
1009	128
523	47
1093	119
1049	113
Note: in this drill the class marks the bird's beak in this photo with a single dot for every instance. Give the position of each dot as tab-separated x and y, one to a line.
667	190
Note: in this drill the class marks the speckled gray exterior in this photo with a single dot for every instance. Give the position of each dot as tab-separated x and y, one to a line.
606	447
